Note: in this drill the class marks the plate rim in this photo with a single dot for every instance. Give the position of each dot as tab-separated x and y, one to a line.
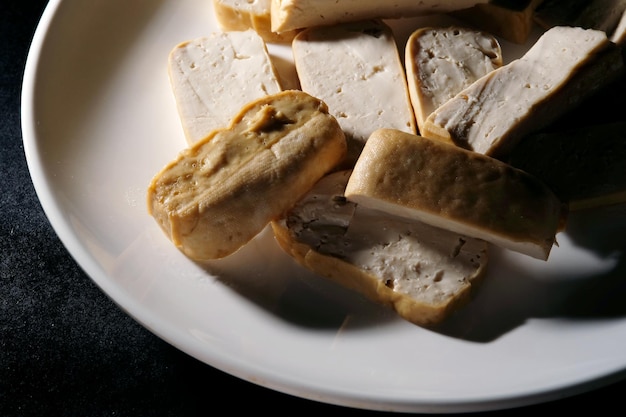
191	346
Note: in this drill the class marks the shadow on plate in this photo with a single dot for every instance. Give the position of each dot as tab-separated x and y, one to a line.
588	284
264	274
585	281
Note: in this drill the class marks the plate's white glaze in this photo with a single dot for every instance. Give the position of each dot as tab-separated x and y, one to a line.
99	120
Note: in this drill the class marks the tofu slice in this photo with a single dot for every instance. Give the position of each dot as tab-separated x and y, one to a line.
356	69
422	272
456	189
440	62
299	14
213	77
565	66
511	20
238	15
222	191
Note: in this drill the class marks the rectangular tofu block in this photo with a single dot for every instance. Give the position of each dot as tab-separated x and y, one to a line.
441	61
214	76
456	189
565	66
299	14
356	69
237	15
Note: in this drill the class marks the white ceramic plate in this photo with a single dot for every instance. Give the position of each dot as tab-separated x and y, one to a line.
99	120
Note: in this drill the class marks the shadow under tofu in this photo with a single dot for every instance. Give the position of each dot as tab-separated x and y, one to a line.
514	293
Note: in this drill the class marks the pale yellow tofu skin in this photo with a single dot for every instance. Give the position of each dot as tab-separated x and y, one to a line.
222	191
298	14
458	190
238	15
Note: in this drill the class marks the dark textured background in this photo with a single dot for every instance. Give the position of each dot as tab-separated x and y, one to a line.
65	348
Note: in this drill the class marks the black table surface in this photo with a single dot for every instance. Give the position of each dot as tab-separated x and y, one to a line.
67	349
